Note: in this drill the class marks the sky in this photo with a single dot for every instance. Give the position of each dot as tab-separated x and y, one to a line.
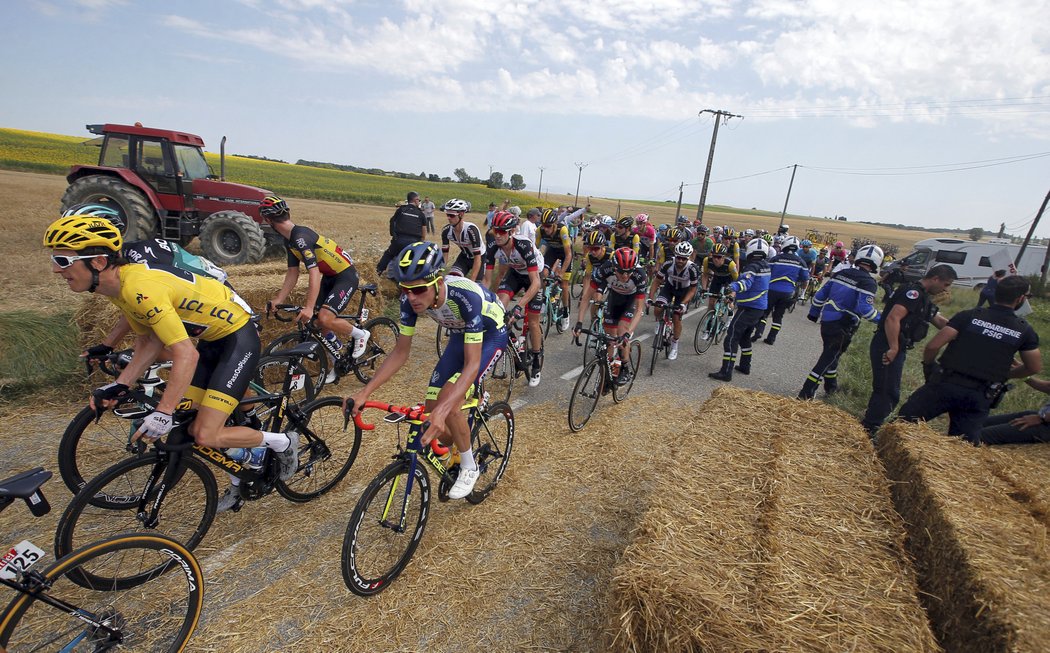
932	113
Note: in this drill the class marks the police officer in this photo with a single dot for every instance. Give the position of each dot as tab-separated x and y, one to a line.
752	299
905	321
847	298
787	273
406	227
979	358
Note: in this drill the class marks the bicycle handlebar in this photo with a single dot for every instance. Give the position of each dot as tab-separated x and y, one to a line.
413	413
112	363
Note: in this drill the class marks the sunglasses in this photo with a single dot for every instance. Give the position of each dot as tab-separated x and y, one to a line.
594	249
416	290
502	232
66	261
681	259
453	215
717	256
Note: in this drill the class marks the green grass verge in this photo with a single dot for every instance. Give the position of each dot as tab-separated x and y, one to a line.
855	364
37	351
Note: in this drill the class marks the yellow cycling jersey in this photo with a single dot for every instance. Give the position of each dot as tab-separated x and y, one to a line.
175	304
727	269
314	250
559	239
631	240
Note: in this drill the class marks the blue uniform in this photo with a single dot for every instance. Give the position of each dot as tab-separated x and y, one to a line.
787	273
840	304
752	296
752	286
473	314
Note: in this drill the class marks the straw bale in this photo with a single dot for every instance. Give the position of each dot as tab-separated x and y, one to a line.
977	523
777	536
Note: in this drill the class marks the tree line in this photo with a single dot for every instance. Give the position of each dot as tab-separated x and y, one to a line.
495	180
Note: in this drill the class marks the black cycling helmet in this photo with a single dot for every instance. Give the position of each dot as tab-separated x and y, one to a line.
595	239
625	222
419	262
549	217
719	250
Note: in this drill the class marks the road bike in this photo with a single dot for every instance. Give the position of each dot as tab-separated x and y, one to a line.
713	323
389	519
383	333
578	278
591	346
78	604
512	364
811	289
552	307
664	333
94	441
171	490
599	377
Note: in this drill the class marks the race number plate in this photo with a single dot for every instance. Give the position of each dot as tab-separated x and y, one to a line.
19	558
298	382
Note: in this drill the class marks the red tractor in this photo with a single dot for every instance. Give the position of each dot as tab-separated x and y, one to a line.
163	187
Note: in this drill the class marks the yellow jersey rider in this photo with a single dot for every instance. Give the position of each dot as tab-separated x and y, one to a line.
166	307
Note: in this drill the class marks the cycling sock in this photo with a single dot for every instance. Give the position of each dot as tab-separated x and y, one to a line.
276	441
357	334
466	460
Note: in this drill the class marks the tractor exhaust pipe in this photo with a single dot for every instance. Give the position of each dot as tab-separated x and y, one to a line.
222	159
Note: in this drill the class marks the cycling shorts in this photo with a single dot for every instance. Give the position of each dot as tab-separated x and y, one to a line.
552	256
224	369
643	250
450	365
514	282
462	266
670	295
338	289
620	308
717	284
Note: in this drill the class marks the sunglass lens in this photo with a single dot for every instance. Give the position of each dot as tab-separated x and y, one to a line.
62	261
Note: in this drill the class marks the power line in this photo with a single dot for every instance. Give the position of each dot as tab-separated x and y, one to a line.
757	174
1005	159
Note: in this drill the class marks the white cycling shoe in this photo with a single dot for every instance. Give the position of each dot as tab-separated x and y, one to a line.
360	344
464	484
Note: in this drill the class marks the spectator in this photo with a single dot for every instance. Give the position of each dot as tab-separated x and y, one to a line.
988	292
406	227
428	210
488	216
1026	427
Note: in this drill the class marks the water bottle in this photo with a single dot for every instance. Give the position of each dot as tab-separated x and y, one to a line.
250	458
334	340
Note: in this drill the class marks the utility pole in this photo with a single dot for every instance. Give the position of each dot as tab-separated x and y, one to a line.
490	170
581	166
790	184
678	208
540	189
719	115
1031	230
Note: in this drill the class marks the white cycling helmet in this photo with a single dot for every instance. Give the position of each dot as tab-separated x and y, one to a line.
789	244
750	233
757	248
683	249
609	221
456	206
870	254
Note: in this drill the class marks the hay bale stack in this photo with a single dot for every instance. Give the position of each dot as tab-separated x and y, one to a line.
977	522
771	530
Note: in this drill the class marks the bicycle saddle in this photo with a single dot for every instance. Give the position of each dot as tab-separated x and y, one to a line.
26	486
306	349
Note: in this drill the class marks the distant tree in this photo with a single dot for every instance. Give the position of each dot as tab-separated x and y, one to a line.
517	182
975	233
461	175
495	180
433	177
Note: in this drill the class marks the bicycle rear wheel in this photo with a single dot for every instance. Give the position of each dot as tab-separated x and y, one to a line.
186	514
585	394
500	380
326	450
272	372
375	548
705	327
316	367
620	392
491	441
159	613
384	333
88	448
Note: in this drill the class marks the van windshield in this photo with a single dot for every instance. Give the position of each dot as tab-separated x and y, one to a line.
917	258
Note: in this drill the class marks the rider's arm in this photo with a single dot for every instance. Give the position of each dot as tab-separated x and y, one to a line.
391	364
475	267
147	347
588	292
566	244
117	333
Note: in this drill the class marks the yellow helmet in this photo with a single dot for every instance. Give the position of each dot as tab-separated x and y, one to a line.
78	232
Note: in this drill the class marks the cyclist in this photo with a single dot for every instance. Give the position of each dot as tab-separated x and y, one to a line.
677	281
752	299
684	225
703	243
673	236
623	236
838	253
807	254
732	246
597	252
475	317
787	274
624	282
467	236
556	246
166	307
646	236
332	275
716	272
522	260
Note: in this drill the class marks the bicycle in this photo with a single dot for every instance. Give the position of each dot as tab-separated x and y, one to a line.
69	606
578	278
664	333
383	334
552	309
512	364
90	444
591	345
389	519
713	323
174	480
811	289
598	377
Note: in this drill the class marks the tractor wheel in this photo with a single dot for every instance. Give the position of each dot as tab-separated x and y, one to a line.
139	217
231	237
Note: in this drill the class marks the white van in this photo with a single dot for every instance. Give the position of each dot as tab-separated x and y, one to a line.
973	261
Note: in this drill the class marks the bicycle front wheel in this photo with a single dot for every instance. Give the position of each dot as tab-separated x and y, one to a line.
585	394
658	340
620	392
88	448
442	339
491	442
159	613
378	543
381	342
705	331
186	513
326	450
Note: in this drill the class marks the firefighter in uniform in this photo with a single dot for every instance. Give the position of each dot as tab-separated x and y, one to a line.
752	296
847	298
971	377
905	321
787	273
